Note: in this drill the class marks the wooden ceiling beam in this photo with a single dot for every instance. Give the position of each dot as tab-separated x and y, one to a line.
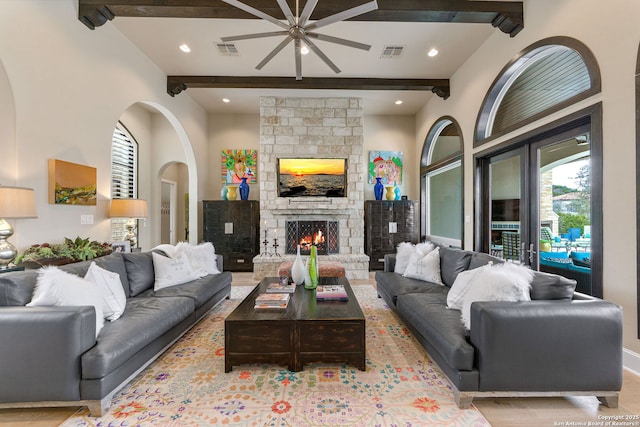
177	84
508	16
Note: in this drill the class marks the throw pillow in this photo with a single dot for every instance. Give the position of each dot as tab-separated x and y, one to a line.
502	282
171	271
113	297
425	268
168	249
202	257
424	248
403	255
460	287
57	287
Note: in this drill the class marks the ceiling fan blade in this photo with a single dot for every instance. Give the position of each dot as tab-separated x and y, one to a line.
338	40
298	55
341	16
256	12
254	36
322	56
307	11
287	11
273	53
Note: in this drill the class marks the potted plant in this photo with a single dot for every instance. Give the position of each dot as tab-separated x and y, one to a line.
69	251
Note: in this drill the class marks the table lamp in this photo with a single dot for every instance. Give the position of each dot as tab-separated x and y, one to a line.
15	202
132	209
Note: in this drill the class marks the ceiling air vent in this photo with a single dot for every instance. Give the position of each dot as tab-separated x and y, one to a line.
391	52
227	49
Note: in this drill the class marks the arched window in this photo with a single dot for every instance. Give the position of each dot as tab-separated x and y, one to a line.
542	188
124	174
546	77
441	183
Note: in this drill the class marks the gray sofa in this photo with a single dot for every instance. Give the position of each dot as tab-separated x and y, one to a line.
561	343
50	356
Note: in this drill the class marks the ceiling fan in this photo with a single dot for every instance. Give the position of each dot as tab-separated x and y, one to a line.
299	30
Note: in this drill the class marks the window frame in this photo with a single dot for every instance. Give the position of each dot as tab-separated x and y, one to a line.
513	69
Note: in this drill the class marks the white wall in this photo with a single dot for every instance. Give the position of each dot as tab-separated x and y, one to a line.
70	85
230	132
613	34
393	133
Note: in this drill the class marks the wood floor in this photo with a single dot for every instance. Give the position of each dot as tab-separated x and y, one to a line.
511	412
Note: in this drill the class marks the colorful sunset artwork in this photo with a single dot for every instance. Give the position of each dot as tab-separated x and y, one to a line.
71	183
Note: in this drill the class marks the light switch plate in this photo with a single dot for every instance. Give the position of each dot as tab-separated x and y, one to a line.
393	227
228	228
86	219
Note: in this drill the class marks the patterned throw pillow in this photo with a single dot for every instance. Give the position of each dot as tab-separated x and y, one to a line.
425	268
171	271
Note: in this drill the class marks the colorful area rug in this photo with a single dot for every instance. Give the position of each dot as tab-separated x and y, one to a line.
187	385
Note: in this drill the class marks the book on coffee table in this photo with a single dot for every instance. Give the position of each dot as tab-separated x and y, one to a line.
279	288
331	292
278	301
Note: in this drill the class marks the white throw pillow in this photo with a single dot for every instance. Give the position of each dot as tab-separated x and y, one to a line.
503	282
464	280
425	268
168	249
171	271
424	248
201	257
113	296
403	255
57	287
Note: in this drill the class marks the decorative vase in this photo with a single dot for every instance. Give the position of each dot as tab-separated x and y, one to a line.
398	192
244	189
297	269
223	193
232	192
378	189
391	192
313	269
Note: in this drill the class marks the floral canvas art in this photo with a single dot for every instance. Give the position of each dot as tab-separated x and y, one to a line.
238	164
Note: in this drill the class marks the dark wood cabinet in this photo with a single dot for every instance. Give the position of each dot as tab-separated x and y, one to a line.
233	228
388	223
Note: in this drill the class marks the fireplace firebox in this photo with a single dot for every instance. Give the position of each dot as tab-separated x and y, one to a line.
323	234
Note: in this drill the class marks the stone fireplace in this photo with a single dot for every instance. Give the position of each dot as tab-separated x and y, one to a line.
313	128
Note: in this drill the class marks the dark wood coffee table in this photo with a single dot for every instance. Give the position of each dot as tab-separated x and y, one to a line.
306	331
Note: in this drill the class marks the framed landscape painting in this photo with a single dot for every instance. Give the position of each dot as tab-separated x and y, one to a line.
386	165
238	164
72	183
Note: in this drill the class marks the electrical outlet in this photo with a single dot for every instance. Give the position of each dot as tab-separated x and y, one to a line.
86	219
393	227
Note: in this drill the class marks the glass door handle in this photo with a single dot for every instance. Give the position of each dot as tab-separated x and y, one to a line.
532	253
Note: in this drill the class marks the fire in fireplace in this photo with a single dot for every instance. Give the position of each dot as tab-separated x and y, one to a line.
322	234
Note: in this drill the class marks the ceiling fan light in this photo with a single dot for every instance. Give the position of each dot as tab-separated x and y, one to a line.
304	50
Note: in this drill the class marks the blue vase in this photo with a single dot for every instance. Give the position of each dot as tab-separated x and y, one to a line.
223	193
398	192
378	189
244	189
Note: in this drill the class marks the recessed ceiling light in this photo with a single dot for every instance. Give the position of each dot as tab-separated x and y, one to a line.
399	101
304	50
226	100
433	52
185	48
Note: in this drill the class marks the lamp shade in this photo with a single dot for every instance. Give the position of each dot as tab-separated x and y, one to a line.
128	208
17	202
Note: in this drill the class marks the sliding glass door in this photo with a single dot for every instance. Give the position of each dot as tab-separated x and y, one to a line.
537	206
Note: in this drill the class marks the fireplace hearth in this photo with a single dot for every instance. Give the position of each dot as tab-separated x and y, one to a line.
323	234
